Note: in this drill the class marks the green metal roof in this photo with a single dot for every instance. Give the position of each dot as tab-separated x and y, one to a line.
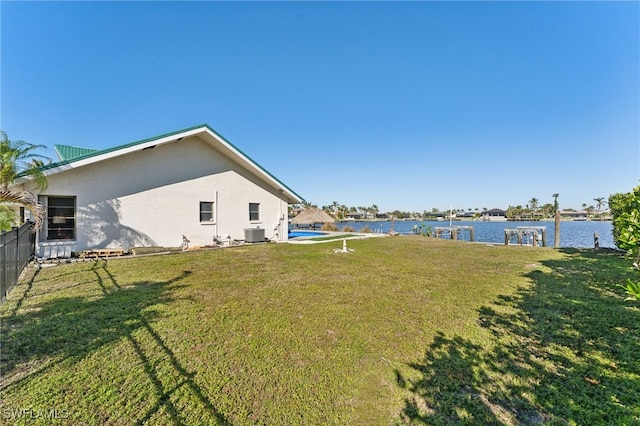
93	153
66	152
71	154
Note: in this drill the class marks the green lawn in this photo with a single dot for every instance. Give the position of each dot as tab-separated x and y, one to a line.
402	330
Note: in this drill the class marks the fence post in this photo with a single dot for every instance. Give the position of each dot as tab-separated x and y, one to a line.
32	240
16	261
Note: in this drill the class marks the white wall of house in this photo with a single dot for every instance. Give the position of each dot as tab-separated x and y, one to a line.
152	197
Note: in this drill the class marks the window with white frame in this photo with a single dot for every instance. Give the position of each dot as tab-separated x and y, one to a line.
61	218
254	212
206	211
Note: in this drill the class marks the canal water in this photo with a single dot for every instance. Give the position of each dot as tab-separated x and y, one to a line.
572	234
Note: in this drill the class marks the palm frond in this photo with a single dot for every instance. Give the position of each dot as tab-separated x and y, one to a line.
19	159
27	200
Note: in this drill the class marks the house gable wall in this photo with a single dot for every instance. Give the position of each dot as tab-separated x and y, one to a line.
152	197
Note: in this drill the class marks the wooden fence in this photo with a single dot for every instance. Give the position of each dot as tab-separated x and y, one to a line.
17	248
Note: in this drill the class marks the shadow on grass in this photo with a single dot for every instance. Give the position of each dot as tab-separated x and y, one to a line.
25	293
68	329
565	351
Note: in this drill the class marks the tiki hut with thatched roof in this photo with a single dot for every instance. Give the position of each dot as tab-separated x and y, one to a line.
311	217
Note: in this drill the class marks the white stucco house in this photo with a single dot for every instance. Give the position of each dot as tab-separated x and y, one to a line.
192	182
495	215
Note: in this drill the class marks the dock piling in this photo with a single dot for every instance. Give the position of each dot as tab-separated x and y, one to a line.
556	239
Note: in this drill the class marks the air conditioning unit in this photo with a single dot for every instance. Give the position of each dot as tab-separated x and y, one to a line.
254	235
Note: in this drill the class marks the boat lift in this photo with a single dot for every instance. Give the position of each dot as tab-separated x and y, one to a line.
453	232
535	236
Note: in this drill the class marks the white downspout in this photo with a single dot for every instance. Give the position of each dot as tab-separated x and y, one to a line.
216	213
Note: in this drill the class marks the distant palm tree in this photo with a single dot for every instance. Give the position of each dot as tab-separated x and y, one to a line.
17	160
333	209
600	202
533	205
343	210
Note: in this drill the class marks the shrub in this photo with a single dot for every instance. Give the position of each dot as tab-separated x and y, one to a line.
632	289
366	230
331	227
625	209
348	229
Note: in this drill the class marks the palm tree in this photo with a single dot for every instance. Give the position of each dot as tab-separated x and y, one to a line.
343	210
18	160
600	202
533	204
333	209
555	202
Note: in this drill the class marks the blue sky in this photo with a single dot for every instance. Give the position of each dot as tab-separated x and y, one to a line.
407	105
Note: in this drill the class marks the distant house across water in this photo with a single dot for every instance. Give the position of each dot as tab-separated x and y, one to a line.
497	215
573	215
